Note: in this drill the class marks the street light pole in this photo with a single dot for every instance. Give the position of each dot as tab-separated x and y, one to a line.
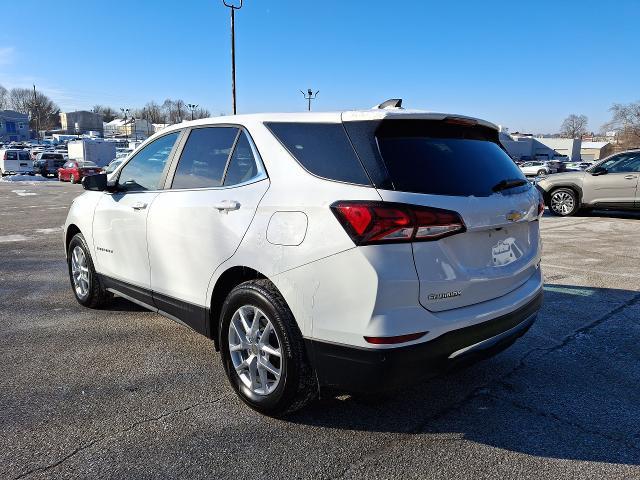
125	112
233	51
309	96
192	107
36	114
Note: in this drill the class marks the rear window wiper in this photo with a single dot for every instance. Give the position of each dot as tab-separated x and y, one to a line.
506	184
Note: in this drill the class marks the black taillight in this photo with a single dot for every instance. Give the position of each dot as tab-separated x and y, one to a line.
373	222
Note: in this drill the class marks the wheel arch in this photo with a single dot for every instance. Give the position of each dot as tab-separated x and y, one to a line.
572	186
72	230
226	282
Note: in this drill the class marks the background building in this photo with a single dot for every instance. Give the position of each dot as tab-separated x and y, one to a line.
14	126
137	129
595	150
528	147
81	122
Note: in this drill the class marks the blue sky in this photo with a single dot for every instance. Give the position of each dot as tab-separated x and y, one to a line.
526	65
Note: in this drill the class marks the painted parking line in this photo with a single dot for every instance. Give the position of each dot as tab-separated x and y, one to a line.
581	292
589	270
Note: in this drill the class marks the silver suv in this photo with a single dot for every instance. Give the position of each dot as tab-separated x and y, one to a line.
609	184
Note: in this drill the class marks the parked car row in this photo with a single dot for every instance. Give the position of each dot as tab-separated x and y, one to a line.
540	168
14	161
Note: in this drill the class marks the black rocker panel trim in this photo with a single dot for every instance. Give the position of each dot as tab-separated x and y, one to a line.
193	316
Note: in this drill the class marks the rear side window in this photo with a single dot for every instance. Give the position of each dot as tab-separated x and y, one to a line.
204	157
242	166
323	149
435	158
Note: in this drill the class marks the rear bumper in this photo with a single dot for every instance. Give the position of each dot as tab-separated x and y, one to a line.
369	370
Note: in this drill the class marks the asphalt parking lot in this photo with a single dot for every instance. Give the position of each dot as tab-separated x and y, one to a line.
126	393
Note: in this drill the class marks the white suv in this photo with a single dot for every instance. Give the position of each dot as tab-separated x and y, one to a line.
356	251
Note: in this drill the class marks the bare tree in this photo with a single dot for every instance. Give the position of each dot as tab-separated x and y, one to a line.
39	107
626	119
107	113
21	100
201	113
153	113
4	98
574	126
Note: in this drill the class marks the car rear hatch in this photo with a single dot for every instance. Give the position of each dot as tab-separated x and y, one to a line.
456	164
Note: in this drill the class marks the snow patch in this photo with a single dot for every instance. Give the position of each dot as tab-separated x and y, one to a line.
23	193
12	238
26	179
47	231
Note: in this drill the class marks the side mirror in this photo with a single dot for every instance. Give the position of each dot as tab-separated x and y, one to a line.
599	171
96	183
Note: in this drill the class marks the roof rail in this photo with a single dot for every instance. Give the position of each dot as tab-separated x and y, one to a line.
391	103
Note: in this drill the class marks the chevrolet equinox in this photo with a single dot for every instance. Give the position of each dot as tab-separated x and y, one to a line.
354	251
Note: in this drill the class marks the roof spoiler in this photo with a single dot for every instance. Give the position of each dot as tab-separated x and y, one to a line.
391	103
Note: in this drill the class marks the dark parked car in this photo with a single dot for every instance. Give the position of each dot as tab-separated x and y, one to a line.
47	163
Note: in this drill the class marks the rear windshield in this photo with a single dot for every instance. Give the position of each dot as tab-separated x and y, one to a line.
323	149
441	159
52	156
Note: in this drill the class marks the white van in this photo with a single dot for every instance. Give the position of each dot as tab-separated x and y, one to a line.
13	160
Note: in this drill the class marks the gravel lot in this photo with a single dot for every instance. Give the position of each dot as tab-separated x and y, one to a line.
126	393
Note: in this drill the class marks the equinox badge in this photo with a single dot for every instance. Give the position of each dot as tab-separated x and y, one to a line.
440	296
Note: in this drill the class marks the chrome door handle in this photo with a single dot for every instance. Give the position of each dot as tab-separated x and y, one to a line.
630	177
227	205
139	206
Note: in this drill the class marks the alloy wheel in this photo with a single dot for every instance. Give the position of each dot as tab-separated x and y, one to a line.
80	272
255	350
562	203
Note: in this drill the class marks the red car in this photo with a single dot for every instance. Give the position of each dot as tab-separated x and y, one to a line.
73	171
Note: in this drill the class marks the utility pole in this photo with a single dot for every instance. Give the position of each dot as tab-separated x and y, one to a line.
36	113
233	51
309	96
191	107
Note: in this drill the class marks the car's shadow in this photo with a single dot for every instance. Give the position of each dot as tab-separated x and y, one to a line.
567	389
622	214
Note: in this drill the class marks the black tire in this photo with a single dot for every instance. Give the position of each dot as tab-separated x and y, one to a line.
297	385
571	198
96	295
541	173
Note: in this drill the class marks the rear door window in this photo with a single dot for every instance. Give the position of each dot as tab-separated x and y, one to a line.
12	155
204	157
22	155
323	149
435	158
242	165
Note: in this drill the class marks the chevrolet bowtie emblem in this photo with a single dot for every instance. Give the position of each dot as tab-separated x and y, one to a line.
514	216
